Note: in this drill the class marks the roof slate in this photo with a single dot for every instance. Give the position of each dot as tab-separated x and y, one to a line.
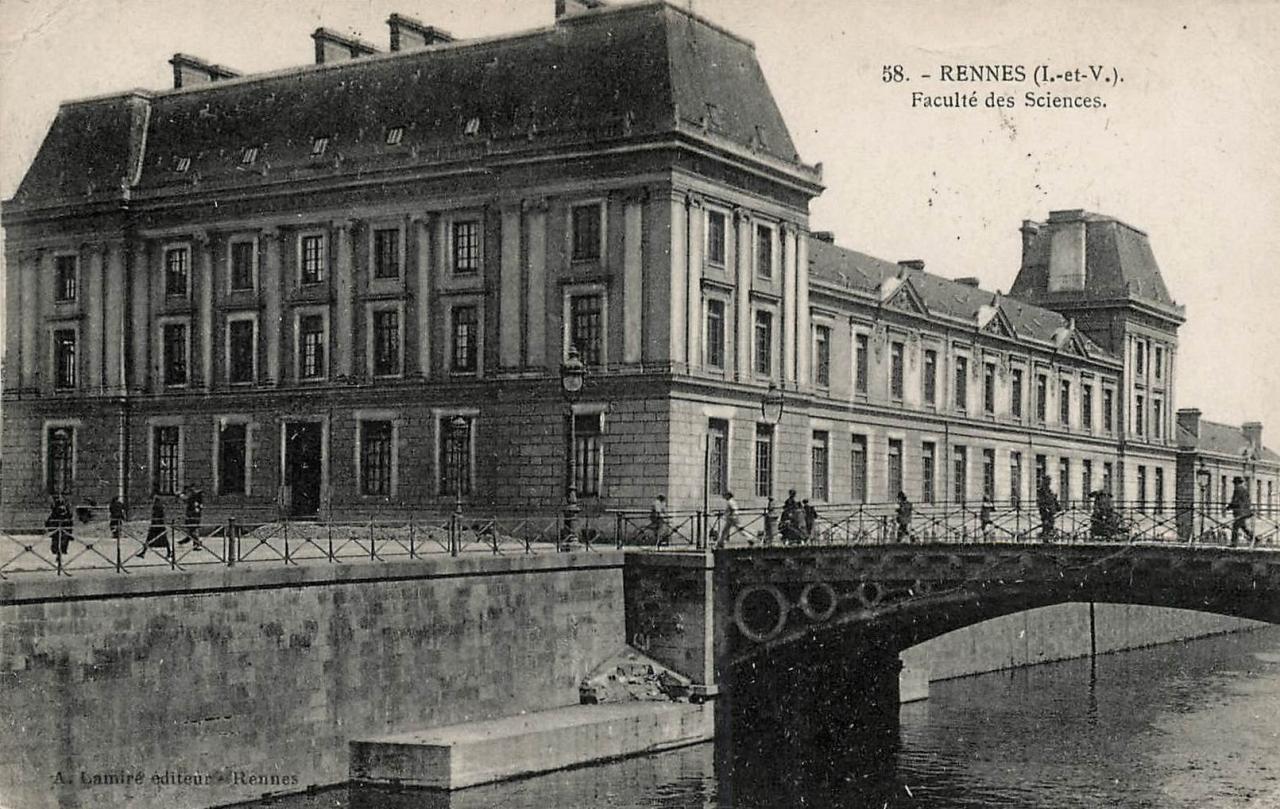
1223	439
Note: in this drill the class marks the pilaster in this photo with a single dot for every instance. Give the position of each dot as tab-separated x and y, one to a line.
344	299
633	279
272	293
511	219
744	277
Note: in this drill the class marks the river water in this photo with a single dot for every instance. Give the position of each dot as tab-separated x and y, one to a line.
1182	726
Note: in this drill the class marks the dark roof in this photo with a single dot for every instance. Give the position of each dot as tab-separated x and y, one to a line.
627	72
1222	439
849	269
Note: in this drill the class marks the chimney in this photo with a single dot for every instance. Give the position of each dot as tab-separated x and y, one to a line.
969	281
1189	423
912	263
572	8
824	236
334	47
1253	434
188	70
1066	250
408	33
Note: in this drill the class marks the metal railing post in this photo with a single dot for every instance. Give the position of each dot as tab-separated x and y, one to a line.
229	550
412	532
371	554
286	542
617	530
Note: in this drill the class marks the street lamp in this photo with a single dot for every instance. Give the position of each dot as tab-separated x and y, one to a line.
771	407
1203	477
459	427
572	375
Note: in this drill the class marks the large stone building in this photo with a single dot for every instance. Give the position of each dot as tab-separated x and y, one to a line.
286	288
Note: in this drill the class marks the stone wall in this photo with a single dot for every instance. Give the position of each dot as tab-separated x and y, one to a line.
256	680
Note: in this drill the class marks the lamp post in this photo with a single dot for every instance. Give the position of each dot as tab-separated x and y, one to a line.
459	427
771	407
572	375
1203	478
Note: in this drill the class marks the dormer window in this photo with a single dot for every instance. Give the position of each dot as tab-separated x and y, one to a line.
182	164
318	145
394	135
473	127
249	156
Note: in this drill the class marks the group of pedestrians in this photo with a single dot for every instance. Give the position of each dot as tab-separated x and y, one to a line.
61	525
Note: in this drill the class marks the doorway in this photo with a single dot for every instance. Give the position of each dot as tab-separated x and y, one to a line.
302	461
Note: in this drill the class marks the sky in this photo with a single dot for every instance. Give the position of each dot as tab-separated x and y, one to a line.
1185	148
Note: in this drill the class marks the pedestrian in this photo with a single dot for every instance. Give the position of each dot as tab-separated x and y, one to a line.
60	524
1047	504
157	535
1241	510
729	522
1104	522
658	521
903	517
791	526
194	502
986	517
116	515
810	521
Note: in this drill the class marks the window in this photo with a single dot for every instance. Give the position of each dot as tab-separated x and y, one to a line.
715	333
455	455
1139	406
249	156
1159	507
716	238
375	457
930	376
1086	478
174	342
586	327
311	338
894	467
764	460
1064	403
1158	362
241	257
241	351
962	384
1106	477
472	127
64	359
1015	479
176	271
960	475
1086	407
1042	398
1108	410
928	473
233	444
1042	469
764	343
386	253
386	342
588	454
1138	359
165	464
858	470
587	231
989	388
1157	417
1015	393
1064	481
182	164
717	456
860	362
65	279
466	247
318	146
465	337
60	459
818	458
313	258
764	251
897	369
822	355
989	473
395	134
1142	488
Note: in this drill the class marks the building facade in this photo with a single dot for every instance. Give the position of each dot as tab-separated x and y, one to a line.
348	288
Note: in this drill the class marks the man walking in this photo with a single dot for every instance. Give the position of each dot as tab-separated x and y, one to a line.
1047	504
903	518
194	501
1241	509
658	521
729	522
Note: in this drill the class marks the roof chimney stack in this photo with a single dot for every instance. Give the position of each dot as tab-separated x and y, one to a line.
1188	424
969	281
408	33
912	263
824	236
188	70
572	8
334	47
1253	434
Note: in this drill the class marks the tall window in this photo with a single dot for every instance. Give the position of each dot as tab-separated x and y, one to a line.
241	266
1086	406
962	384
930	373
894	467
1086	478
1142	488
1157	417
465	337
176	270
65	280
165	464
764	460
928	473
1139	357
1108	410
386	253
715	238
764	343
822	355
989	473
241	351
1064	403
1015	393
858	470
60	459
989	388
386	343
174	346
585	327
1106	477
897	370
64	359
818	457
587	231
1139	410
1042	469
1042	398
1159	507
375	457
715	333
588	454
466	247
233	459
960	474
717	456
860	362
1015	479
764	251
1158	362
313	258
455	456
312	338
1064	481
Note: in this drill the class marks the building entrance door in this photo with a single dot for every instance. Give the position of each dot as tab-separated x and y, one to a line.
302	467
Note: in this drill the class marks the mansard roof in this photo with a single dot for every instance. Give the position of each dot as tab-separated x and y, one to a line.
625	73
852	270
1223	439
